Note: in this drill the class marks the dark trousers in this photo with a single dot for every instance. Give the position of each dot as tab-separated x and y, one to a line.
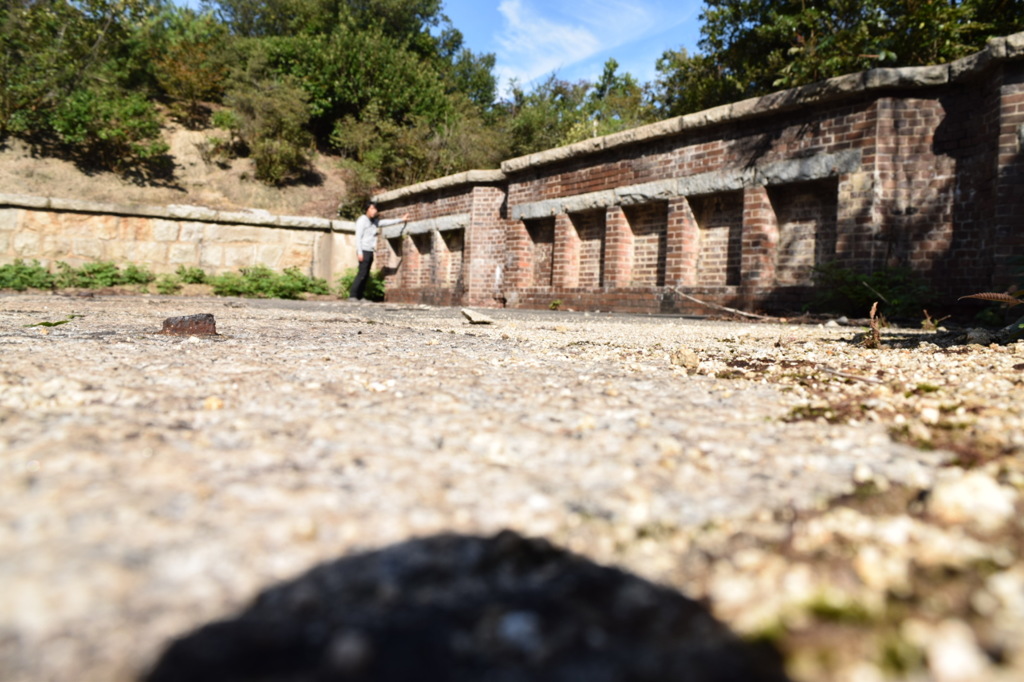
359	283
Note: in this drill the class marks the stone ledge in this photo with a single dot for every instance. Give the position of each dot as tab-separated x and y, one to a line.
440	224
472	177
201	214
1010	47
807	169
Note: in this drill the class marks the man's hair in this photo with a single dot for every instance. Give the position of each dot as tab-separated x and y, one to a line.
368	205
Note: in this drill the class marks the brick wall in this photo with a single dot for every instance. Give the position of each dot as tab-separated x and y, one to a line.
919	167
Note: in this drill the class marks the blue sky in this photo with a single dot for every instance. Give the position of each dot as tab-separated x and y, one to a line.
574	38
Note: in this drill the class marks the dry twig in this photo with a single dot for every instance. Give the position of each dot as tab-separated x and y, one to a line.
855	377
715	306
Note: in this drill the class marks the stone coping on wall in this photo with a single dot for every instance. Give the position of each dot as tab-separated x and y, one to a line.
998	49
817	167
200	214
440	224
472	177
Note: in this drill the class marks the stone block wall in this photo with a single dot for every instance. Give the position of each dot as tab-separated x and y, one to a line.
165	238
916	167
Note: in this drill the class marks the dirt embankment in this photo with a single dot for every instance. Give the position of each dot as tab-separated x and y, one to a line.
194	180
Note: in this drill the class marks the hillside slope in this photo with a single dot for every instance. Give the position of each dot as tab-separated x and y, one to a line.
194	181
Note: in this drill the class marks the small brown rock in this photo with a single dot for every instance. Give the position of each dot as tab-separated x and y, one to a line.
191	325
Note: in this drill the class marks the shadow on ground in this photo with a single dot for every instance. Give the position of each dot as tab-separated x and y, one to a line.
461	608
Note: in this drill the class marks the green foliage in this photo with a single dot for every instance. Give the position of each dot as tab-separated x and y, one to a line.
546	116
380	152
900	292
391	85
260	281
71	71
271	116
119	129
172	284
753	47
49	49
191	275
168	284
20	276
375	284
58	323
99	275
688	83
189	56
256	282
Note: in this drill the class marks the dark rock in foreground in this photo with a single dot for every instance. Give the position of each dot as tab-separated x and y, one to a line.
458	608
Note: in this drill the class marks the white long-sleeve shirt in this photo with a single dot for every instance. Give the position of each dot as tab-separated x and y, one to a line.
367	229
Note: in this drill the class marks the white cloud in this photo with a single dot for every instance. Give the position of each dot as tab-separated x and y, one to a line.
532	45
542	36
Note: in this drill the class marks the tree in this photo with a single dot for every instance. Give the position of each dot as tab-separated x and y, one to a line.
545	116
70	73
618	102
473	75
189	60
752	47
688	83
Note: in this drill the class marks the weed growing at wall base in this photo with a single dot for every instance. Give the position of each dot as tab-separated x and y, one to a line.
101	274
256	282
20	276
260	281
902	292
374	285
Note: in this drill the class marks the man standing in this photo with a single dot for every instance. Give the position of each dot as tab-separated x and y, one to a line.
367	227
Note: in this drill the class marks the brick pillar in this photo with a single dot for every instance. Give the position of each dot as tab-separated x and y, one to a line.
683	244
485	249
566	273
760	239
618	258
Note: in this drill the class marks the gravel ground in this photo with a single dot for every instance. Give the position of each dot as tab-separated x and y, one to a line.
858	509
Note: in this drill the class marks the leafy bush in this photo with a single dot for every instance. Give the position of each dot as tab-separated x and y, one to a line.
191	275
375	284
119	129
20	276
168	284
99	275
269	118
260	281
900	291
